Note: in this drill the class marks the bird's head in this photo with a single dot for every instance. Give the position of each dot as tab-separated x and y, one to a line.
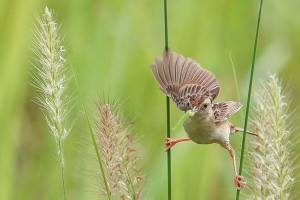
201	106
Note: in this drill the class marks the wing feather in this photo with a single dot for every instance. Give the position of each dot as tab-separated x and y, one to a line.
223	110
182	78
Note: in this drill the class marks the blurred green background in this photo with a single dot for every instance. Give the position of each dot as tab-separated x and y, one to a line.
111	44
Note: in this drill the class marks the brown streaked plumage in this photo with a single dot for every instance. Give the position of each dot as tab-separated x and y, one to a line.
192	87
182	79
223	110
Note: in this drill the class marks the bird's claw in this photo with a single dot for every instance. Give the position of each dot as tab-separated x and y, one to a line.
256	129
169	143
239	184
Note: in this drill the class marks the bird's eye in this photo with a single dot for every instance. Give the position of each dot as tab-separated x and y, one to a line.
205	105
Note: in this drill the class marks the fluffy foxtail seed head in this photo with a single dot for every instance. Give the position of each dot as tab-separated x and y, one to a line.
50	77
271	155
119	156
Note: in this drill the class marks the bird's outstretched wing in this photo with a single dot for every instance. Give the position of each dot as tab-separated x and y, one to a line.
223	110
183	80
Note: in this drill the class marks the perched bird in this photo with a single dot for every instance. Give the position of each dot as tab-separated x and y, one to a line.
193	88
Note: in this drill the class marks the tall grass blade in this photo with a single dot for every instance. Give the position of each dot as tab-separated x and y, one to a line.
98	155
168	107
249	94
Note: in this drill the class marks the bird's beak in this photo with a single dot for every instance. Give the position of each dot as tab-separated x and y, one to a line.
194	110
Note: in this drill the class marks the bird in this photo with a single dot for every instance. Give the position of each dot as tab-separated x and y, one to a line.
193	88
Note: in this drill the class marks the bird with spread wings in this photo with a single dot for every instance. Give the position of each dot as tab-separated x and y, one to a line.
193	88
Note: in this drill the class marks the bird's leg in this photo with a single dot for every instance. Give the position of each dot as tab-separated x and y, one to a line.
238	129
169	143
237	178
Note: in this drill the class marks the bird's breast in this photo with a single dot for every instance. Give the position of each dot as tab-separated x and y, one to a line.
203	131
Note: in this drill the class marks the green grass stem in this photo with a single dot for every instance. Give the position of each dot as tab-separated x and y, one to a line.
169	152
99	157
168	106
236	83
235	78
63	181
249	93
166	24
